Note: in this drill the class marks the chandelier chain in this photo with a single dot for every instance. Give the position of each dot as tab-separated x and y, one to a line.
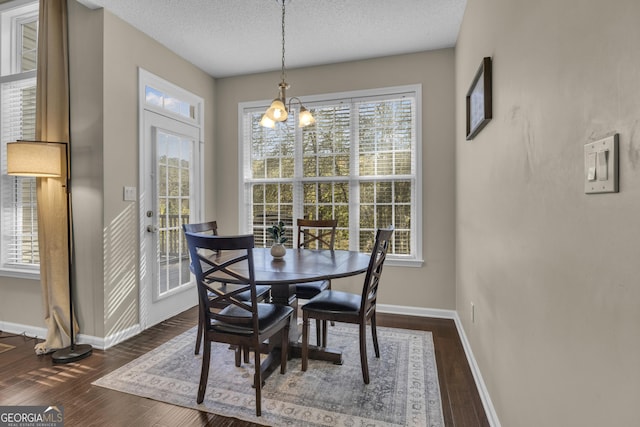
278	111
283	13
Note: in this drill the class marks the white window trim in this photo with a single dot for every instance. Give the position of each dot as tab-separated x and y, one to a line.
393	260
13	13
146	78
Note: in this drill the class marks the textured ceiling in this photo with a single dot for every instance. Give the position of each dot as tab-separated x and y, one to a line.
234	37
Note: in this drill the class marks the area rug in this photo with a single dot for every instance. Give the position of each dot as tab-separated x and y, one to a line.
403	390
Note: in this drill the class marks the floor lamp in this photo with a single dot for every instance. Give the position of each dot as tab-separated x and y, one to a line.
44	159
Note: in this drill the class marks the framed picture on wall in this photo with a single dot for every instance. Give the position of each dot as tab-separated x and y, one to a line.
479	100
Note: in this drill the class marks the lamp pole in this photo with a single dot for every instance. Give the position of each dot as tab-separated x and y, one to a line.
74	351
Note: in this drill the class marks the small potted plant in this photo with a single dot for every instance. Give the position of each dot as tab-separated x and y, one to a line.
276	231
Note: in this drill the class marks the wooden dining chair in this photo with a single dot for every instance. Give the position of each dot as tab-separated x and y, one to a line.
316	234
241	323
263	291
351	308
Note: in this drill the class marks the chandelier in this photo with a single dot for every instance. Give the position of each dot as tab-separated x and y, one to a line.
278	110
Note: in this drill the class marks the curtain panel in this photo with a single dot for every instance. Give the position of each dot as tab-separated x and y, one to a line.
52	124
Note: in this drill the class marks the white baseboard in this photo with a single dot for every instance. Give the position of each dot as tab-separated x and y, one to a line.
26	330
475	370
489	409
95	342
118	337
110	340
416	311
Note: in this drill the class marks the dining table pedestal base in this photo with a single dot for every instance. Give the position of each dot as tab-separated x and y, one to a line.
317	353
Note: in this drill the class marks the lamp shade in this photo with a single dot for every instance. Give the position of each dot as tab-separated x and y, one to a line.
277	112
305	118
34	159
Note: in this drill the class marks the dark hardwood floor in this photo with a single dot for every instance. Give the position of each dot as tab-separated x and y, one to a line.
27	379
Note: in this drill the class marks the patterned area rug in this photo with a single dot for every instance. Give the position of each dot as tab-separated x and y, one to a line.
403	391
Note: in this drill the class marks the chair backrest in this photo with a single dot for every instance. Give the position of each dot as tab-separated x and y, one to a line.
316	233
222	256
209	227
374	271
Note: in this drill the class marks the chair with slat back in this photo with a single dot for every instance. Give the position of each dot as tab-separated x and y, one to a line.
351	308
211	228
242	323
316	234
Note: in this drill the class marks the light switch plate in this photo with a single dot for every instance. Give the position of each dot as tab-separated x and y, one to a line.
129	194
605	178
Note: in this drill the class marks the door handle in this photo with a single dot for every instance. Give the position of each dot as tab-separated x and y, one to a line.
152	228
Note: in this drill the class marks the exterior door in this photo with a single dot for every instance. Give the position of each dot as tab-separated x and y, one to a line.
171	185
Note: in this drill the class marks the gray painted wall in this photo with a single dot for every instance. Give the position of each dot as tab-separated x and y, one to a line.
553	272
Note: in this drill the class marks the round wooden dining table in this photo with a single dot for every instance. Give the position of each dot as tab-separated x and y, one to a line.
299	266
304	265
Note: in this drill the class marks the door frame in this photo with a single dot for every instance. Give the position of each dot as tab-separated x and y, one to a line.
146	78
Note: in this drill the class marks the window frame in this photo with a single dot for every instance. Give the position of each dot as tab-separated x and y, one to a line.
12	15
413	260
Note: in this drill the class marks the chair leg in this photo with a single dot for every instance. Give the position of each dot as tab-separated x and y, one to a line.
363	352
204	374
325	323
324	333
284	356
305	341
246	351
200	332
374	335
318	333
238	353
257	379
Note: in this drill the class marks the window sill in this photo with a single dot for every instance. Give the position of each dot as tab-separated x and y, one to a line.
20	274
414	263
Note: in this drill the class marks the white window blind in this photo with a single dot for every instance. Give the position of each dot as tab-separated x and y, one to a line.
19	215
19	222
357	164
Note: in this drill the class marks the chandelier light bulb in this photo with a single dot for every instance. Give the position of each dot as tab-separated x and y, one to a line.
267	122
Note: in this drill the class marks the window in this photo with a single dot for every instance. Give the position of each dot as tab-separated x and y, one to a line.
357	164
164	101
18	50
